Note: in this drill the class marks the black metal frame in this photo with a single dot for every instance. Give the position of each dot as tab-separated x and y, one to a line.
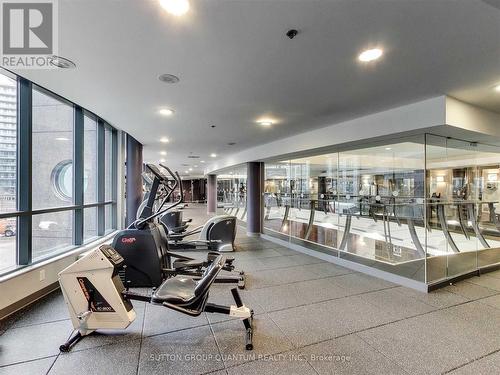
24	213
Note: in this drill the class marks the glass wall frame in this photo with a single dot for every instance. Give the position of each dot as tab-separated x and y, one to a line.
375	205
44	232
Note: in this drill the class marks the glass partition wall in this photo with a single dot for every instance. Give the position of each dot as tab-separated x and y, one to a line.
232	192
422	208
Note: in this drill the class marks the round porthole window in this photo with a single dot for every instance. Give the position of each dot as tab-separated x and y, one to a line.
62	180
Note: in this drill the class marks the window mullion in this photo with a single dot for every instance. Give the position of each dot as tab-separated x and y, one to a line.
78	175
24	167
101	149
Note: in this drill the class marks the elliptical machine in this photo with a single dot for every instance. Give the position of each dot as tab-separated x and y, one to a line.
217	234
147	259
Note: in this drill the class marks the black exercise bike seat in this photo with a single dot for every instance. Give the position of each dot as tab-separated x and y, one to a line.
177	290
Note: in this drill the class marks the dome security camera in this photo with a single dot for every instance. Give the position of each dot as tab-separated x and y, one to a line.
291	33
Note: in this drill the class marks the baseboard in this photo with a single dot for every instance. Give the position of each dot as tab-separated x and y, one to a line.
22	303
467	275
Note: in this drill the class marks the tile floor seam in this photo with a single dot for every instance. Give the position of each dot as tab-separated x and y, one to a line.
300	281
216	343
472	361
285	267
176	330
378	325
39	323
392	360
27	361
310	365
58	354
281	330
52	364
140	342
482	286
331	299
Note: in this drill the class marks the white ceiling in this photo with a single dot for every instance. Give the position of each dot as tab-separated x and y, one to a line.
235	65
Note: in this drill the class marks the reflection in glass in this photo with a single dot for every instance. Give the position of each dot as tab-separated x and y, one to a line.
90	159
52	233
89	224
52	151
8	143
405	208
232	192
8	233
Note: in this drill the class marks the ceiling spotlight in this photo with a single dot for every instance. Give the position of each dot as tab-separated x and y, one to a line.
62	139
195	166
202	161
190	169
164	140
162	160
175	7
497	88
388	148
370	55
163	153
61	62
186	172
166	112
213	155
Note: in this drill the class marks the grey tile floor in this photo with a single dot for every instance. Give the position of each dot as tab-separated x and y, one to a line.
311	317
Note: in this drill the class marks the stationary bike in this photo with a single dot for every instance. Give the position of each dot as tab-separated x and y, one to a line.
97	299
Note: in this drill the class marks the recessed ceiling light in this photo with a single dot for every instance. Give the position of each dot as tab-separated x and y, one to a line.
164	140
202	161
166	112
163	152
265	122
62	139
195	166
175	7
370	55
61	62
168	78
190	169
497	88
186	172
162	160
388	148
213	155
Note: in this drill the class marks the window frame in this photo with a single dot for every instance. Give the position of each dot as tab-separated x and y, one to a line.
24	174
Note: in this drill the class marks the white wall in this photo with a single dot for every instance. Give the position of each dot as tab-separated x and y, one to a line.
411	118
441	115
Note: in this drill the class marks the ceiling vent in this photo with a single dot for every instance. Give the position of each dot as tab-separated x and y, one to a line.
61	62
168	78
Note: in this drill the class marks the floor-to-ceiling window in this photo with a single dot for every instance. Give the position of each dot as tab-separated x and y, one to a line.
8	171
58	174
